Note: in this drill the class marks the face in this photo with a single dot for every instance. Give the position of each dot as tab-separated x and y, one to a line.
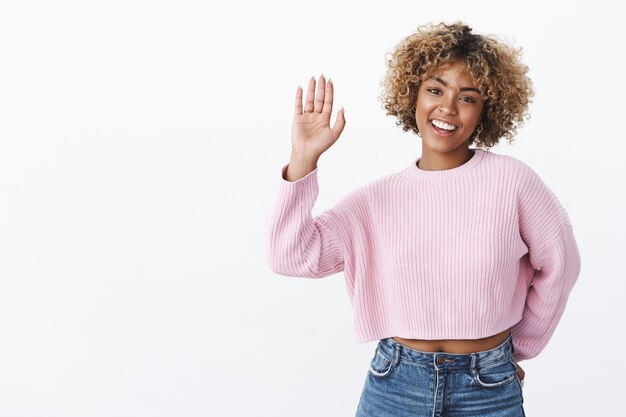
452	101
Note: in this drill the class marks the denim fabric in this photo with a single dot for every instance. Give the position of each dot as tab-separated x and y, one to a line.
405	382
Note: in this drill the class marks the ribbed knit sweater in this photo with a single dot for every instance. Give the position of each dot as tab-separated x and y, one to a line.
461	253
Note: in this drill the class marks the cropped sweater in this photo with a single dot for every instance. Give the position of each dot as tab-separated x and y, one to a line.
461	253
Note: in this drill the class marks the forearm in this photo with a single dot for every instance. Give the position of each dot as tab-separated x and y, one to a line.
300	166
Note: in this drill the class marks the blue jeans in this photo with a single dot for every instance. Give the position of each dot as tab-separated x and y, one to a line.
403	382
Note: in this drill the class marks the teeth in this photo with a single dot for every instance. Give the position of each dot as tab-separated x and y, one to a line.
443	125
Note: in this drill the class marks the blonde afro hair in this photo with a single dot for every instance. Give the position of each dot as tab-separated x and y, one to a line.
495	68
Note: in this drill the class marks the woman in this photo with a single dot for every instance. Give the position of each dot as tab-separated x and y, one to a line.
461	264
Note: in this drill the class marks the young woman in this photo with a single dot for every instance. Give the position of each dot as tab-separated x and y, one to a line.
460	264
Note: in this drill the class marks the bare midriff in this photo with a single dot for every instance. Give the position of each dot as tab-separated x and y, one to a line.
462	346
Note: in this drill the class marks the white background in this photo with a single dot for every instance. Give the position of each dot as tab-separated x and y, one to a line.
140	149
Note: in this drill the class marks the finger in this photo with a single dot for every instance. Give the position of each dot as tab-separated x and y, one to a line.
298	109
319	99
309	96
340	123
328	98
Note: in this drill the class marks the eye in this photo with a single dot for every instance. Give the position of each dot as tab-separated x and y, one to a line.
469	100
433	90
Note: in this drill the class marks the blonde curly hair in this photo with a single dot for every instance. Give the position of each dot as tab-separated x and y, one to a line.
495	68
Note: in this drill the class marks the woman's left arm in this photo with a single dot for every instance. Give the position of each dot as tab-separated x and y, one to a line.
553	252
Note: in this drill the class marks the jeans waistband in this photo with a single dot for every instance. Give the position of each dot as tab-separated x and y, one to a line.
439	360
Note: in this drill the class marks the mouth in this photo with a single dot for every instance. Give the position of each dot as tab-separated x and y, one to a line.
442	128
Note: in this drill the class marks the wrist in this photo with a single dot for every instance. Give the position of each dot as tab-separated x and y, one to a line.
304	158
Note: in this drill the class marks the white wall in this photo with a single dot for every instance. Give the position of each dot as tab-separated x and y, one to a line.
140	149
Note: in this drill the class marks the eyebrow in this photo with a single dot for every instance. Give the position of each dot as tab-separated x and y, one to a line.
462	88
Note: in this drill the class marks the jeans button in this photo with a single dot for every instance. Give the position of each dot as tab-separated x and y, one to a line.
440	360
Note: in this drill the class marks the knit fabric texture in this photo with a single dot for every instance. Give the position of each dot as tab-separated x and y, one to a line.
461	253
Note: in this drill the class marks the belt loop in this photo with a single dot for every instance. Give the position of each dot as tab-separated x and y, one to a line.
473	365
396	353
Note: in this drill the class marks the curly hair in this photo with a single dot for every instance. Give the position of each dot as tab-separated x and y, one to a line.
494	66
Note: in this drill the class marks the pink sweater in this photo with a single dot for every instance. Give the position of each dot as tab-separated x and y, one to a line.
462	253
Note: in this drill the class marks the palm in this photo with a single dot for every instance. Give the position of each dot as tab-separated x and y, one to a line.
310	131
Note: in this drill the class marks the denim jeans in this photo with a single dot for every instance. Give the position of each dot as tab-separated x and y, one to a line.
403	382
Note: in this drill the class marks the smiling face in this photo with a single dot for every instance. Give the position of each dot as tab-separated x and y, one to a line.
448	109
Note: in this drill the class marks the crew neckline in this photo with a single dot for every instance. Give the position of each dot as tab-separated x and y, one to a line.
417	172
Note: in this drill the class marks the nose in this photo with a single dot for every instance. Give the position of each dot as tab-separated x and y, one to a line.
448	105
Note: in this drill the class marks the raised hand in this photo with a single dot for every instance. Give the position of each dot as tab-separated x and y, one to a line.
311	134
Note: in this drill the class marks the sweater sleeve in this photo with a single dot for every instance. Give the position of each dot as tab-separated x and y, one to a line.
553	254
298	244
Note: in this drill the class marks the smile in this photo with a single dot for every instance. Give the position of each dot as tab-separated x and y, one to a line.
442	128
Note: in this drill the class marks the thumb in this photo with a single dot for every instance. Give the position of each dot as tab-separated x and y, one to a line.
340	123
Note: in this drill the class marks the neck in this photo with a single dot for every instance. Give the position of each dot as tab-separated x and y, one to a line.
435	161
